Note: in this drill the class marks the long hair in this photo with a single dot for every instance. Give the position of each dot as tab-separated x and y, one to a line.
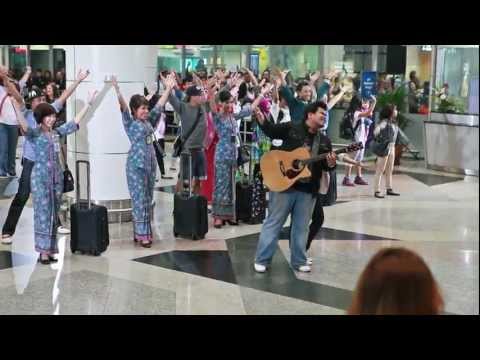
396	281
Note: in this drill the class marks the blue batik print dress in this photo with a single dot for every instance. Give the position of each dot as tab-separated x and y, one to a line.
141	170
226	162
47	184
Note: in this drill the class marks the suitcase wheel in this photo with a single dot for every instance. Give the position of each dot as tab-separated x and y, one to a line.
175	234
96	253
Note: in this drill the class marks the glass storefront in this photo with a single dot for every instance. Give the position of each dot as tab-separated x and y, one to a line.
456	80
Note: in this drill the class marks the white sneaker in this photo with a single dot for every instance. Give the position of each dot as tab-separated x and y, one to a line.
260	268
63	230
304	268
309	261
6	239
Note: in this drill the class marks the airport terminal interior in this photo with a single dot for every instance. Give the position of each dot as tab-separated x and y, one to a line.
436	215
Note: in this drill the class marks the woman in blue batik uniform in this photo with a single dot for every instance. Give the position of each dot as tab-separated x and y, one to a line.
47	174
226	152
139	124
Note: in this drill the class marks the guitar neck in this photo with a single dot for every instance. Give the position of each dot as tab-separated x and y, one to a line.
323	156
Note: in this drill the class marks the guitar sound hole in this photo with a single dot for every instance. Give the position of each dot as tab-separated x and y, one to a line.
298	165
292	173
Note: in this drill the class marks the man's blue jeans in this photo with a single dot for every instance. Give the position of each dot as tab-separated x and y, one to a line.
281	204
8	148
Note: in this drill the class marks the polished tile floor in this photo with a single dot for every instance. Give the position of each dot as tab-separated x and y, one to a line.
436	215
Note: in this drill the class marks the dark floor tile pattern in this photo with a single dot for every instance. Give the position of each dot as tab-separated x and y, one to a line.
334	234
431	180
211	264
427	179
236	267
280	279
6	259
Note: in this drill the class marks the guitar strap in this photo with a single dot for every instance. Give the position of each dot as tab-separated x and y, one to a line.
313	152
325	178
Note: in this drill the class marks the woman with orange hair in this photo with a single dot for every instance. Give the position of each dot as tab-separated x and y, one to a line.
396	281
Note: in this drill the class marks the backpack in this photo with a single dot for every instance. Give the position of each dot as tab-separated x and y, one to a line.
347	131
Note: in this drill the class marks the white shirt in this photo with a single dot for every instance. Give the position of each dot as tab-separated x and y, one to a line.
275	111
360	133
8	115
160	129
169	107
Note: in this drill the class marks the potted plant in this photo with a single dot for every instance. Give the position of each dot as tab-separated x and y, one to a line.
445	103
397	97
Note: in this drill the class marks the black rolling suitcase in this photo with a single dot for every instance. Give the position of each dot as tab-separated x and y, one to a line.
243	200
190	214
89	222
244	194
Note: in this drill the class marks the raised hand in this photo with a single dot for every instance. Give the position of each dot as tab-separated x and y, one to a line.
162	78
278	82
237	81
170	82
220	74
196	79
82	75
259	115
212	81
113	79
266	89
3	72
315	76
212	90
28	69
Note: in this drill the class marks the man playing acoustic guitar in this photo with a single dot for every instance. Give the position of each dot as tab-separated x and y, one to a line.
299	199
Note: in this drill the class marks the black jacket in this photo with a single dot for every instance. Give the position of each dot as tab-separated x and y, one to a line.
295	136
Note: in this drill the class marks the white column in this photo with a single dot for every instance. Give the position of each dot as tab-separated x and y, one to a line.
374	57
102	139
332	54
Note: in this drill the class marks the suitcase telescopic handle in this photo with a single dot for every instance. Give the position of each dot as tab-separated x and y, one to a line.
77	175
190	170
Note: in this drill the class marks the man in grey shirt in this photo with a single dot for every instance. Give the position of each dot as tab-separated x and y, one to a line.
190	110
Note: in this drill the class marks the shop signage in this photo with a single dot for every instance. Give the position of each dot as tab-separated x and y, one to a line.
346	66
369	84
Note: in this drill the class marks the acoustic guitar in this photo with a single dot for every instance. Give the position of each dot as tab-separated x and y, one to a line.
281	169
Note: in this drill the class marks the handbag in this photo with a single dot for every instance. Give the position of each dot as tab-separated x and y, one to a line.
68	182
379	145
243	155
180	140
